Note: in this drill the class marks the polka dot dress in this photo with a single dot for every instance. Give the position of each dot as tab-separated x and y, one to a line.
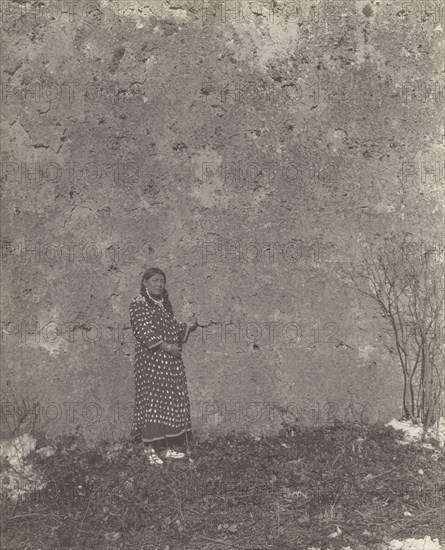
162	407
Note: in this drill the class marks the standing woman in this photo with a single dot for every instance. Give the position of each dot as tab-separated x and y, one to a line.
162	407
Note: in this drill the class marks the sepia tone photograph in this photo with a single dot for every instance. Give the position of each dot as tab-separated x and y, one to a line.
222	275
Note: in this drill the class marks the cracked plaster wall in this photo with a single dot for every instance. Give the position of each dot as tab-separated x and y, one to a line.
156	133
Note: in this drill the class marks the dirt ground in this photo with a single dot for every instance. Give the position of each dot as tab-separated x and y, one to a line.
332	487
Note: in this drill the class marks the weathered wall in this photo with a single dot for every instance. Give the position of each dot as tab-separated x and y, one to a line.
245	153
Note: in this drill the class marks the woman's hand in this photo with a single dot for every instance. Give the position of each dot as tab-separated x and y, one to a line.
174	350
171	349
193	323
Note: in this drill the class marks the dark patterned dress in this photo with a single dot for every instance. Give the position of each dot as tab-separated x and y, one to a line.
162	408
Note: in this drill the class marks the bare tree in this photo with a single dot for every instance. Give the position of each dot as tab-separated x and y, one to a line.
407	283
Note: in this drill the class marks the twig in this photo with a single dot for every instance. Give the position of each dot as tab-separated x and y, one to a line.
86	512
335	460
13	510
194	511
36	514
278	518
378	475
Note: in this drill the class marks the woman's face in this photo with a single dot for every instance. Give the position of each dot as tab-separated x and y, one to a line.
155	285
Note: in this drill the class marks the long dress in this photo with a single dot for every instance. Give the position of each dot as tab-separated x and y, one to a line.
162	407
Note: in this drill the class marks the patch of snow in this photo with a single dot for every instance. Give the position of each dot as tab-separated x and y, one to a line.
20	478
16	450
415	544
439	431
336	533
408	544
413	432
45	452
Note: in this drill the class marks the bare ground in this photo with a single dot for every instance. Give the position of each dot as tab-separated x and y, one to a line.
289	491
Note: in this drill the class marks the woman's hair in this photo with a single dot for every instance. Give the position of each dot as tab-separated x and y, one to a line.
147	275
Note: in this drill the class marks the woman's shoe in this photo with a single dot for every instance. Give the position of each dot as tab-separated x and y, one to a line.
170	453
153	458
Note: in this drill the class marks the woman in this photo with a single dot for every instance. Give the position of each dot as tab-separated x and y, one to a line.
162	408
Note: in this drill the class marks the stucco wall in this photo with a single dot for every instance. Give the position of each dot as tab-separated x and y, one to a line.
247	153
